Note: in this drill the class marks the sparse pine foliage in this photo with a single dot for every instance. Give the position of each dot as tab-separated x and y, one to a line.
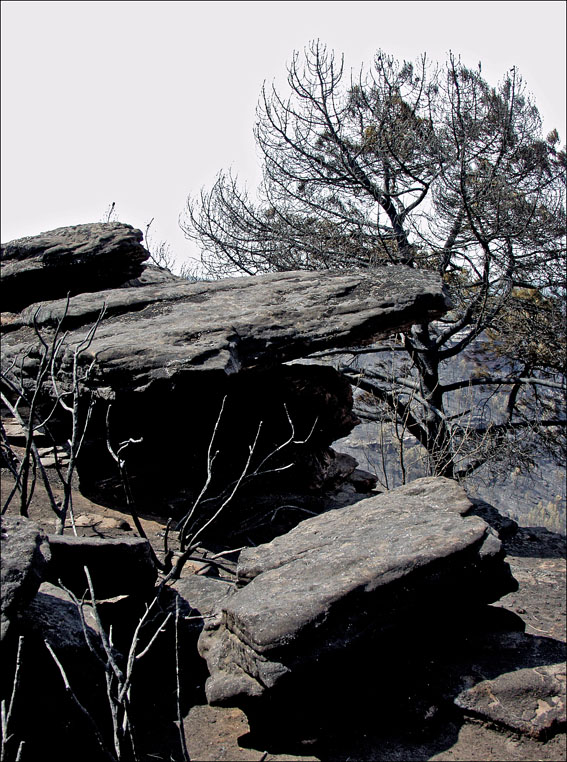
426	166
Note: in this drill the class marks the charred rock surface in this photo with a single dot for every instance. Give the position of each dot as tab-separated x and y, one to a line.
161	332
182	363
69	260
25	556
201	383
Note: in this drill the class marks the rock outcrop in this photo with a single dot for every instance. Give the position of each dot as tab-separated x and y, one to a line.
170	355
526	695
56	665
346	575
122	566
69	260
160	333
201	383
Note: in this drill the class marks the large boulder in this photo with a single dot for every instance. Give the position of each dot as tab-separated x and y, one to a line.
345	576
52	640
69	260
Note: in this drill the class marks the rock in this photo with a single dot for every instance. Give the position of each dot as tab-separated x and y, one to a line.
23	563
14	431
160	332
58	723
290	415
517	681
528	701
363	481
152	275
109	522
69	260
116	566
101	523
53	456
16	434
178	349
202	594
504	526
346	575
52	619
53	616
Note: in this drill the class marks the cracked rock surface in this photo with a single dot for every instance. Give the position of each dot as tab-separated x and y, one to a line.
347	575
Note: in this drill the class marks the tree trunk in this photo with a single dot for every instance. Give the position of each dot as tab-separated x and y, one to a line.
437	440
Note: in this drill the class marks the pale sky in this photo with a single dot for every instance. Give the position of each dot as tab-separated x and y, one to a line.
143	103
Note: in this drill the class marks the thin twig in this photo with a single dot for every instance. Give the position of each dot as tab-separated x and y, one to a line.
180	727
6	716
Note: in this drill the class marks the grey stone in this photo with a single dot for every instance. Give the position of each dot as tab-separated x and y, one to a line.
152	275
53	456
362	480
518	682
390	527
69	260
117	566
53	615
180	348
160	332
347	574
504	526
529	701
51	625
16	433
23	562
203	594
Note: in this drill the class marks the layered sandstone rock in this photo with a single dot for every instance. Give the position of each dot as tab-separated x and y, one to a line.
348	575
182	362
69	260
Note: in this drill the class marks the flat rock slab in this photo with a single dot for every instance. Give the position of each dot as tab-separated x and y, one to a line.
530	701
348	574
164	344
23	562
513	680
54	617
159	332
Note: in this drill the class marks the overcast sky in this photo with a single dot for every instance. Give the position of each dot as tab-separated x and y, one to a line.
142	103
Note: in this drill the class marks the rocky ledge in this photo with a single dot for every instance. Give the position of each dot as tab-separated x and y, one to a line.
169	356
